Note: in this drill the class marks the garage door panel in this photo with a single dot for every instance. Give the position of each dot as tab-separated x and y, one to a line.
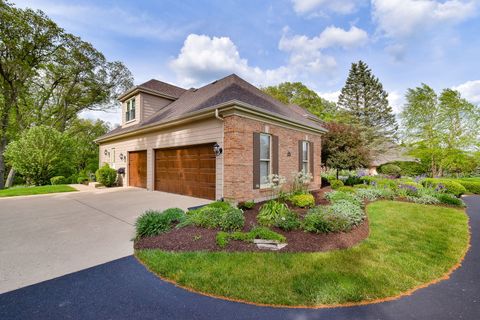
186	170
137	169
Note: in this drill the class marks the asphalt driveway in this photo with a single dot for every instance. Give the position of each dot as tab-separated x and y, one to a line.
47	236
124	289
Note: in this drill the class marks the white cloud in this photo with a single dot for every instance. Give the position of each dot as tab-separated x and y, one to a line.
112	116
470	90
396	101
402	18
330	96
339	6
203	58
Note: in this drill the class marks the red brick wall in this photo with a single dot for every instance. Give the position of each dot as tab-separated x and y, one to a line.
238	156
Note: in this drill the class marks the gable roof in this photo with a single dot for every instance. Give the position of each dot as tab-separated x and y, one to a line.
230	90
160	87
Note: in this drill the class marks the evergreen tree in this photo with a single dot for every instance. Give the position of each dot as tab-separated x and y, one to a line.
364	103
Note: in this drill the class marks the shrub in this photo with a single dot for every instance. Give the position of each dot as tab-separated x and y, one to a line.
352	180
209	216
341	216
407	190
302	200
106	175
372	194
300	182
232	220
58	180
450	199
271	211
82	179
390	170
336	196
445	185
361	186
410	168
347	189
152	223
246	205
223	238
380	182
335	184
288	222
472	187
424	199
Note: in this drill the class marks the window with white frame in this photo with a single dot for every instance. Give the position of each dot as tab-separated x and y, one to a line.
130	110
265	158
305	156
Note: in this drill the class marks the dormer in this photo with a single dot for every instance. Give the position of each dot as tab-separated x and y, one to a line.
144	100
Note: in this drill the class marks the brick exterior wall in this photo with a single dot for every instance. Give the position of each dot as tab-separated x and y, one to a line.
238	156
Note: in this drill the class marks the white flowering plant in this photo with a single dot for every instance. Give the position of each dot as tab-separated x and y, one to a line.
300	182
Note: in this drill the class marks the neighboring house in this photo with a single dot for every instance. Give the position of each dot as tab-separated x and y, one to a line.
222	140
391	153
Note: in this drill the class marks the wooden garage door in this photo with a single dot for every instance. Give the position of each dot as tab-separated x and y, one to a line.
137	169
186	170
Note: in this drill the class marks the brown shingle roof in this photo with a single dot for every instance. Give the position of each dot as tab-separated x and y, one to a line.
228	89
163	87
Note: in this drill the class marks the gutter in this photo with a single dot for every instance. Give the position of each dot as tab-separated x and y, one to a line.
212	111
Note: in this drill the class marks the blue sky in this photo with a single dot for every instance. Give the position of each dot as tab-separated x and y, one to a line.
191	43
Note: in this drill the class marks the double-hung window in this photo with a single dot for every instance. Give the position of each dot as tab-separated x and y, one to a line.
265	158
305	156
130	112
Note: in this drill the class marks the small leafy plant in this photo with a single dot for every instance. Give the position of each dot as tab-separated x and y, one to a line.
302	200
223	238
271	211
152	222
106	175
246	205
58	180
335	184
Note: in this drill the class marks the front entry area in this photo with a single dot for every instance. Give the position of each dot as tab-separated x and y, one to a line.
186	170
137	169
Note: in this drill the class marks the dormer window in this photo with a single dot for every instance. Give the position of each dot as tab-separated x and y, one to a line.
130	111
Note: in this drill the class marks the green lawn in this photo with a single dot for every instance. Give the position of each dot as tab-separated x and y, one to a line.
409	245
24	191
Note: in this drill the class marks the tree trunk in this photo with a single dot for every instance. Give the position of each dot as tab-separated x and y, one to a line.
11	175
337	173
3	146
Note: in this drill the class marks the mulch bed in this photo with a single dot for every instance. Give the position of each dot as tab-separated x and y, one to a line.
193	238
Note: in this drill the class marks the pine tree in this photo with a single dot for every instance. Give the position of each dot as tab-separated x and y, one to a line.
364	103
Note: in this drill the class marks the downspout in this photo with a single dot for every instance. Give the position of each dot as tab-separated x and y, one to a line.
223	139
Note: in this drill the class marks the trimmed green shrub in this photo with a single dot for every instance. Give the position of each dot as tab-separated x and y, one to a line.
152	223
347	189
232	220
222	239
390	170
472	187
335	184
106	175
271	211
288	222
82	179
410	168
445	185
450	199
336	196
246	205
341	216
58	180
302	200
361	186
352	180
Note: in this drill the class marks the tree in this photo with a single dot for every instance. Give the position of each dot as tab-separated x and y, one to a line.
83	132
441	131
48	76
364	103
41	153
344	148
298	93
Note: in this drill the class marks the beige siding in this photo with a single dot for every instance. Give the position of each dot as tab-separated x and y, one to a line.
151	104
206	131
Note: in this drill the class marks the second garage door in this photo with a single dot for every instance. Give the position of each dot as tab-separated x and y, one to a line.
186	170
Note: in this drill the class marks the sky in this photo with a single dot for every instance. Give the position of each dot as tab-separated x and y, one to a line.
192	43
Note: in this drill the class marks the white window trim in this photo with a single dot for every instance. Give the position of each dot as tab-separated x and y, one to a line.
307	161
267	185
128	110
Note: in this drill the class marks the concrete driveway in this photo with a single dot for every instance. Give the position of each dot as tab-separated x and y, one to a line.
46	236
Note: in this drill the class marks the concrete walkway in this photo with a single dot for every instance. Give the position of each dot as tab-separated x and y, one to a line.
124	289
47	236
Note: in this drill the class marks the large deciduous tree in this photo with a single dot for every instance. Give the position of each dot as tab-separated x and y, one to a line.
48	76
364	103
343	147
299	94
441	131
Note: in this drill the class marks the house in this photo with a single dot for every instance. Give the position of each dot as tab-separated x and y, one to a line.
222	140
